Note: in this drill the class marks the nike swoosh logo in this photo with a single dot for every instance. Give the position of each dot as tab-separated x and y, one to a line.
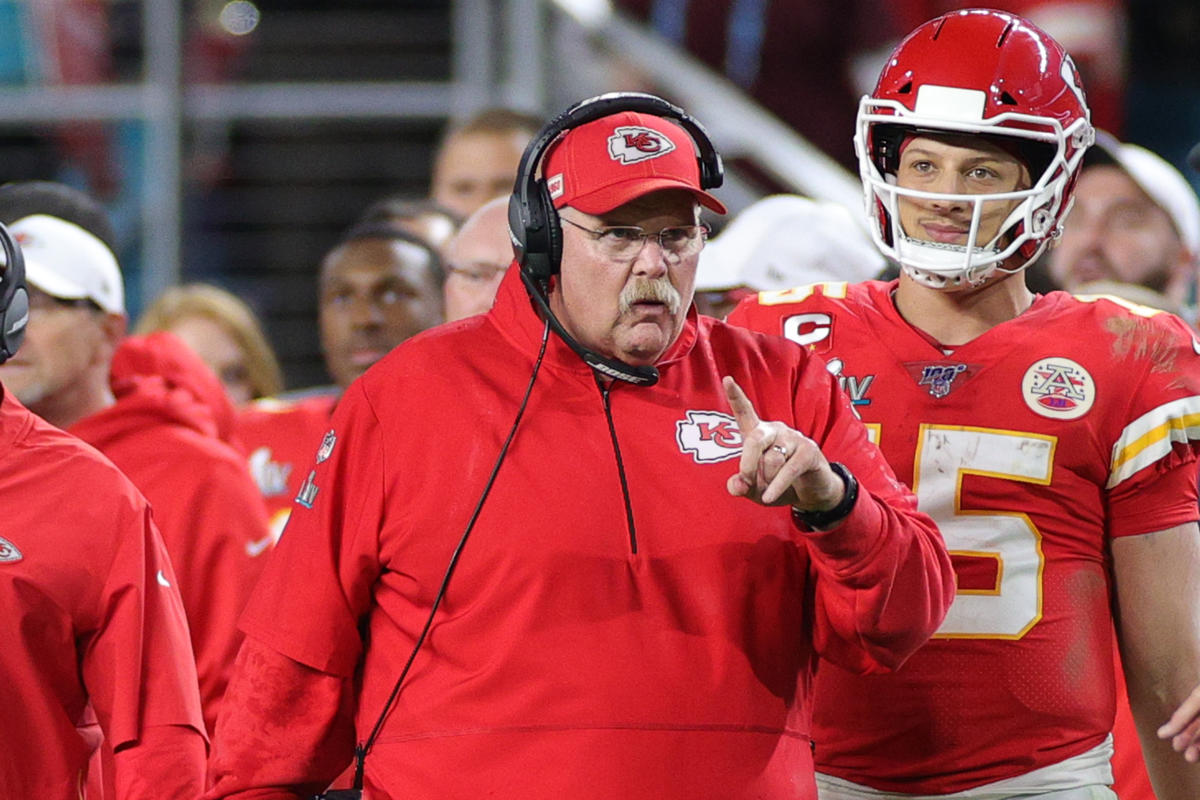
162	579
257	547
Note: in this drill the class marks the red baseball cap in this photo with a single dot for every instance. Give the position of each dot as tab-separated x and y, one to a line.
606	163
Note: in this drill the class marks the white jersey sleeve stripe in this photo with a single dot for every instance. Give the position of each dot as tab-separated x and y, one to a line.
1150	437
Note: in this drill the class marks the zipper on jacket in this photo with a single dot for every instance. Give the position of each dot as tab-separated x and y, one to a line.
612	433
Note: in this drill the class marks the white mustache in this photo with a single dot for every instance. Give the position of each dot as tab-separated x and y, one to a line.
658	290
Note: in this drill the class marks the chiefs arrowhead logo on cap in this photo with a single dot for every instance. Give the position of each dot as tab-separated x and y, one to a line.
631	144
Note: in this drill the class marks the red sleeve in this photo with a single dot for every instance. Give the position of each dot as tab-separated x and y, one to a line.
285	731
1153	468
332	539
1168	487
165	763
225	515
138	666
885	580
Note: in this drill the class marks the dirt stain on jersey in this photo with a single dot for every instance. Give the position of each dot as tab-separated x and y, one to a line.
1141	339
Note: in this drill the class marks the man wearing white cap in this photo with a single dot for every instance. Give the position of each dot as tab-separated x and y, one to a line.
637	609
156	427
780	242
95	643
77	299
1136	220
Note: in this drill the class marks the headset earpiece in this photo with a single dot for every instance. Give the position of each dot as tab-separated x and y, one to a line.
14	297
535	231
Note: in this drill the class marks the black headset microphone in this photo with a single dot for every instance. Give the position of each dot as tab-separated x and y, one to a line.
14	297
536	234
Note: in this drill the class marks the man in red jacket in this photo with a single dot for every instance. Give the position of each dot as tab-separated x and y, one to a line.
662	521
93	627
156	426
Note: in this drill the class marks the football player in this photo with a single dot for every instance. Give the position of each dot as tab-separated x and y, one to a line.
1054	440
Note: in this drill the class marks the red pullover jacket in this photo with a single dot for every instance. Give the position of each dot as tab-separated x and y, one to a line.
92	627
618	626
163	433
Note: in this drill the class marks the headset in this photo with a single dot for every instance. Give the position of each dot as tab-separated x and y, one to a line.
533	222
14	297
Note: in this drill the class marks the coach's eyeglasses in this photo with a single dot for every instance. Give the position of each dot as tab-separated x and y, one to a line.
625	242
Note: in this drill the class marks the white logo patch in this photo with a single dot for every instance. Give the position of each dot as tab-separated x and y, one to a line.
554	185
709	436
633	143
271	476
806	329
8	552
1058	388
162	579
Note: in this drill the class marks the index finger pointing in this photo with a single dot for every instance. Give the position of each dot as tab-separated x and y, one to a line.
743	409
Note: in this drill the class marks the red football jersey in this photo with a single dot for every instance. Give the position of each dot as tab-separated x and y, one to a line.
281	437
1030	446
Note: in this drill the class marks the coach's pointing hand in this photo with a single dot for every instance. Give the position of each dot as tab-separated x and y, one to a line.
779	465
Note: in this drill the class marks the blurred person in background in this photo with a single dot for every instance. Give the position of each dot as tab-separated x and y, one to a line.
779	242
1136	220
95	639
377	287
477	158
475	259
224	331
79	372
1135	226
422	217
1052	438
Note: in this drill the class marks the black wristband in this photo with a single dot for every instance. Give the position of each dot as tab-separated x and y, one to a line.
824	519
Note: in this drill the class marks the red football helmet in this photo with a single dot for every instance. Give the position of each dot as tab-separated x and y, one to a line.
987	73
